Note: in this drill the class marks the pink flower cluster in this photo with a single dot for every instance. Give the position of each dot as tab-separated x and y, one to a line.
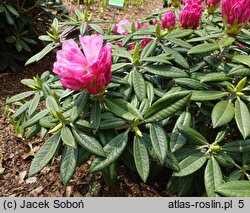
234	14
90	69
190	15
168	21
120	29
212	5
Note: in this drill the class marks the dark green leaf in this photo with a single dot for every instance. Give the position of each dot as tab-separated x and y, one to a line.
191	164
141	159
242	118
139	85
19	97
34	104
67	137
88	142
45	154
212	177
239	188
192	135
167	106
113	150
68	163
122	109
223	113
159	141
203	48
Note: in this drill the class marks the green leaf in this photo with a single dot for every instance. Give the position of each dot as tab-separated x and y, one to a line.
205	95
113	150
239	70
42	53
177	57
83	28
242	118
244	59
21	110
45	154
171	162
159	141
79	104
48	121
148	49
190	83
112	123
35	118
203	48
96	28
223	113
33	131
111	173
67	137
179	33
12	10
177	140
191	164
118	66
122	109
9	18
212	177
213	77
19	97
139	85
88	142
165	71
166	106
180	42
239	188
34	104
226	41
51	104
237	146
181	185
141	159
95	115
162	58
192	135
150	92
68	163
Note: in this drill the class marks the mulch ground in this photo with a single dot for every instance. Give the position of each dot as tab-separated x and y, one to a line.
16	153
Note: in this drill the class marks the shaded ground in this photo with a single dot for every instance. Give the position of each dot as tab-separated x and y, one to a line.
16	153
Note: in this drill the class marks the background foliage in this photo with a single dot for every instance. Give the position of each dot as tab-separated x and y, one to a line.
179	104
19	28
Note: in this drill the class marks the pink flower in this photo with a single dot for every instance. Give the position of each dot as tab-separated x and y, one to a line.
137	24
212	5
168	20
190	15
90	69
234	14
145	41
191	2
119	28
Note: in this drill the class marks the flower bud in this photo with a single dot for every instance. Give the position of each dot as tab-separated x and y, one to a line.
168	21
235	13
212	5
190	15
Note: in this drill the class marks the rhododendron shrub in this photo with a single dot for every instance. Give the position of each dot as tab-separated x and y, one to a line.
152	100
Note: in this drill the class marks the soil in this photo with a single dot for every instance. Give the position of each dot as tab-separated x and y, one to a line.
16	153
